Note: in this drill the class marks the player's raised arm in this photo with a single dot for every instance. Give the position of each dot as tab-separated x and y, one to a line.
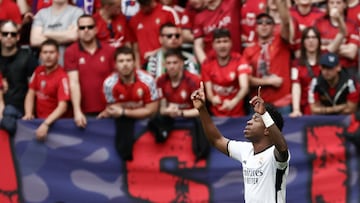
272	129
212	133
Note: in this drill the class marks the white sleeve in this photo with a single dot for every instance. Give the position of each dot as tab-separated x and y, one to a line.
237	149
282	165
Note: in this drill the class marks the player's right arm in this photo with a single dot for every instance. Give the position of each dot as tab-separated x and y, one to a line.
211	131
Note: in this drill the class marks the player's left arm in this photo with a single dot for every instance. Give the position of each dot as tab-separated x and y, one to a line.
281	148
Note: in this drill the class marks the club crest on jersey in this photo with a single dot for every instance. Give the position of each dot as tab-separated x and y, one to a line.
185	20
102	59
261	6
82	60
140	26
121	96
42	84
261	161
157	21
183	94
140	92
232	75
119	28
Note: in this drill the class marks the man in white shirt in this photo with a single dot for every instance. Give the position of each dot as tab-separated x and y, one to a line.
265	159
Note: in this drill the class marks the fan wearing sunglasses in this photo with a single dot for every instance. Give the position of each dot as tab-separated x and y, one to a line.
170	38
16	66
269	58
88	62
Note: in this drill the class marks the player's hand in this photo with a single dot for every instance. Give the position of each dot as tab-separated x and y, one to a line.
258	103
198	97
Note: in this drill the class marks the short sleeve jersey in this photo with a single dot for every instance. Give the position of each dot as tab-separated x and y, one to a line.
179	95
353	14
279	64
226	15
225	82
134	95
308	19
249	11
328	33
92	69
146	27
264	177
300	74
10	11
50	89
116	33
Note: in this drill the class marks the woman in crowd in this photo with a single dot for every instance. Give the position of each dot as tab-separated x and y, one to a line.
304	69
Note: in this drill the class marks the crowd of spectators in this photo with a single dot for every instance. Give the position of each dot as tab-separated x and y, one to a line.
141	59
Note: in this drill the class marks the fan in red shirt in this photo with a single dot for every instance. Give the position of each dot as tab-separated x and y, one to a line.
175	87
112	25
130	94
185	21
226	82
339	35
145	27
304	70
305	13
217	14
353	11
10	11
48	90
193	7
88	62
249	11
269	59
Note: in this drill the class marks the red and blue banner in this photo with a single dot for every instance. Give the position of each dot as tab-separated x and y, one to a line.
81	165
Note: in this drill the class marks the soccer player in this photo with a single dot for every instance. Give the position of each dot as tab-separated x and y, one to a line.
265	159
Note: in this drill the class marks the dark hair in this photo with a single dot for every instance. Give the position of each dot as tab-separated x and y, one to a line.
166	25
124	50
85	16
220	33
174	52
303	57
50	42
327	10
144	2
265	15
275	115
106	2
